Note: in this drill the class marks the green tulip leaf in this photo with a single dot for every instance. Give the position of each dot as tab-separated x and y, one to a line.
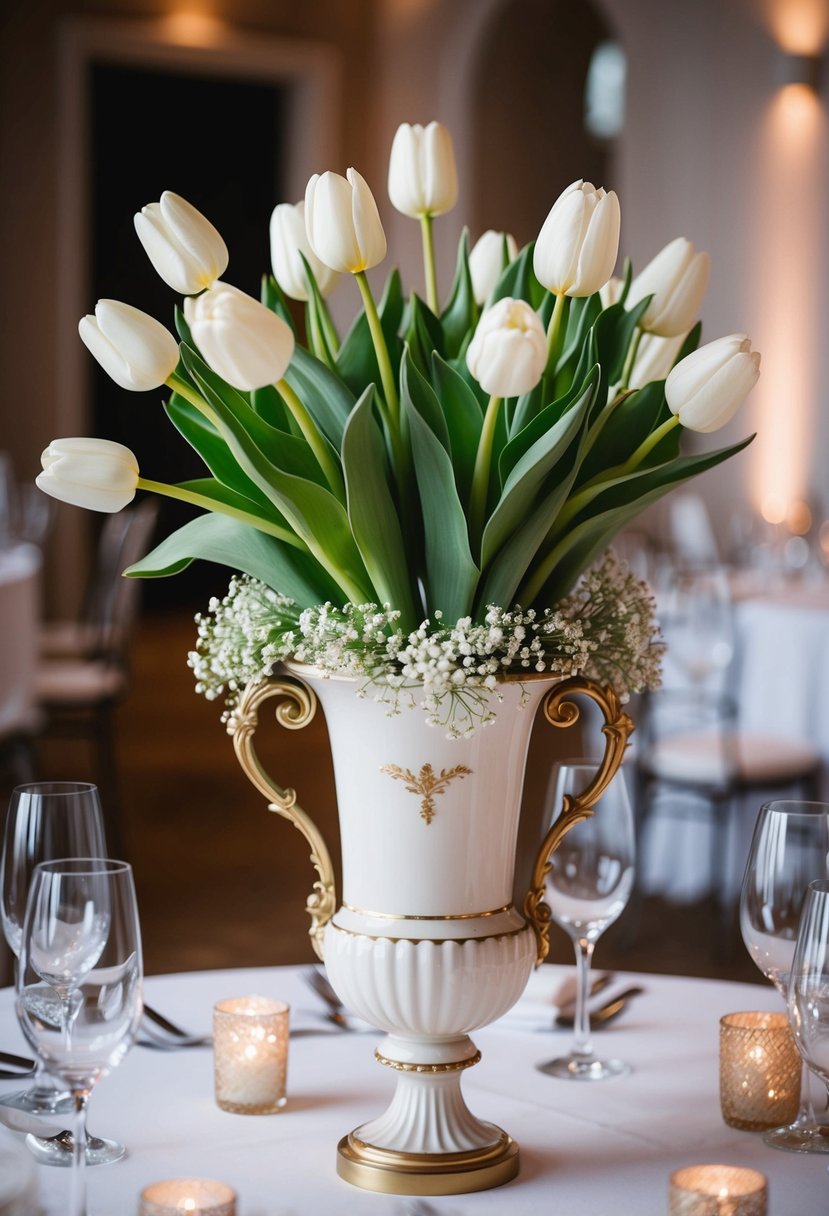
543	449
628	425
518	280
209	487
451	574
326	397
205	439
422	334
274	298
227	542
372	512
463	421
269	405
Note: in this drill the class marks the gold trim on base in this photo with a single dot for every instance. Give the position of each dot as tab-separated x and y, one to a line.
452	1066
393	1173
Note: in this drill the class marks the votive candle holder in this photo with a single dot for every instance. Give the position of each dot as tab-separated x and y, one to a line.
717	1190
250	1054
191	1196
760	1071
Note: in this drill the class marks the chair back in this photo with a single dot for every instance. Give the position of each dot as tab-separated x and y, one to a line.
112	601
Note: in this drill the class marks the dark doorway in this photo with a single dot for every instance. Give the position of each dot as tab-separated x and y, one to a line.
217	142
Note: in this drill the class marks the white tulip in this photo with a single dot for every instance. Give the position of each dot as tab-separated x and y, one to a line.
677	279
578	244
707	387
289	239
343	223
508	351
131	346
611	292
654	359
243	341
94	473
423	179
184	247
487	264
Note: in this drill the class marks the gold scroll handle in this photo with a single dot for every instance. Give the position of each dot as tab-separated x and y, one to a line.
561	711
297	706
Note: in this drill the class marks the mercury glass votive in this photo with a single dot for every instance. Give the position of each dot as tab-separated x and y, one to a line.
176	1196
717	1190
760	1071
250	1054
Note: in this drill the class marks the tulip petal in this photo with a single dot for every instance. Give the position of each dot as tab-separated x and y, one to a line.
681	309
166	259
405	184
148	349
555	258
600	247
329	225
716	403
367	225
197	238
97	474
439	174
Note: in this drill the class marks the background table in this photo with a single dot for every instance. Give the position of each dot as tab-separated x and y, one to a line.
603	1149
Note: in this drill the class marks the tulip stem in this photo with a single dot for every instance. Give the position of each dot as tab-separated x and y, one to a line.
381	351
480	476
429	269
630	358
328	328
555	333
318	340
186	390
315	441
220	508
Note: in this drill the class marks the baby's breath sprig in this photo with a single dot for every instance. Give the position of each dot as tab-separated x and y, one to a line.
605	629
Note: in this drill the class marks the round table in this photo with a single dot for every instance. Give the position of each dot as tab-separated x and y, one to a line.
603	1149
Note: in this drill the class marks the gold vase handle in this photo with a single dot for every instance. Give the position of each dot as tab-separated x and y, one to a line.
296	707
562	712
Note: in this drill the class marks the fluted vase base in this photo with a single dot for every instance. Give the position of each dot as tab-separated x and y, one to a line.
395	1173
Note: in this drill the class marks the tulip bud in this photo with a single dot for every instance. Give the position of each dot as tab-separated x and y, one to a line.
131	346
184	247
677	279
289	239
423	179
508	351
654	359
576	249
343	223
94	473
244	342
611	292
707	387
487	262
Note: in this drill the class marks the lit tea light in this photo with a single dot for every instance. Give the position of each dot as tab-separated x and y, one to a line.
250	1054
760	1071
717	1190
199	1196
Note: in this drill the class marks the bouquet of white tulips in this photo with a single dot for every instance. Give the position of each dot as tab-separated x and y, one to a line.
428	498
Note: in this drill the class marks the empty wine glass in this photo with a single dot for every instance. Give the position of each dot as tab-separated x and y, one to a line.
79	981
789	849
809	983
48	820
588	886
697	620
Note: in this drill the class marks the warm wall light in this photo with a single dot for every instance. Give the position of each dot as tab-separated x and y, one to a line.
790	69
192	28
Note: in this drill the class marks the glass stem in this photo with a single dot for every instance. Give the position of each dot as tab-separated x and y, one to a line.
582	1046
78	1196
806	1113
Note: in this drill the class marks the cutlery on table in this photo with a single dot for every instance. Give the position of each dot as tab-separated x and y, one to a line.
604	1013
564	1001
335	1012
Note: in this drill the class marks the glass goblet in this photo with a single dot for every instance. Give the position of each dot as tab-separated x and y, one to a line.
789	848
79	981
588	886
808	1004
44	820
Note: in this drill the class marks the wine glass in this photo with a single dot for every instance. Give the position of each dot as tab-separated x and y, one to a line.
588	886
809	982
47	820
79	981
789	849
697	620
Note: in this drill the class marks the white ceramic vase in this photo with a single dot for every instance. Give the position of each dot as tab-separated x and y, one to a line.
426	943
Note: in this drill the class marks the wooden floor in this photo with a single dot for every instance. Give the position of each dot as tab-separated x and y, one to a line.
222	882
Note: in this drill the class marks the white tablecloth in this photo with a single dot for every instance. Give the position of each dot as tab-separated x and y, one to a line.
603	1149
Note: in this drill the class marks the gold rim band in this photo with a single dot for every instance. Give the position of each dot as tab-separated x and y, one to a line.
412	916
442	941
453	1066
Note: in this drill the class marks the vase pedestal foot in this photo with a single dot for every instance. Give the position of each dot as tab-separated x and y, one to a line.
399	1173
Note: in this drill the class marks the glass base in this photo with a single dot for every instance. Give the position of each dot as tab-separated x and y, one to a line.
575	1068
39	1100
799	1138
57	1150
